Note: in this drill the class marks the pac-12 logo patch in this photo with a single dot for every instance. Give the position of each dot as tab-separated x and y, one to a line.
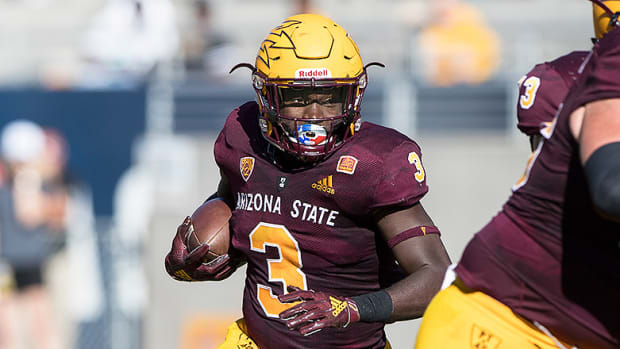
347	164
246	166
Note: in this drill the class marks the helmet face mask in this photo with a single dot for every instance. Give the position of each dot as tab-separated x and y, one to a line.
309	119
309	81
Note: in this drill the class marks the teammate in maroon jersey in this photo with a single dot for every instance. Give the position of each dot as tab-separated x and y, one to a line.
542	90
318	196
544	272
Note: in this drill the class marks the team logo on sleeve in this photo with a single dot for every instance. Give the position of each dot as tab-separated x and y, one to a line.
324	185
347	164
246	166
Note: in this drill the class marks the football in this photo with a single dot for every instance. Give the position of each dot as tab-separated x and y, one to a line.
210	226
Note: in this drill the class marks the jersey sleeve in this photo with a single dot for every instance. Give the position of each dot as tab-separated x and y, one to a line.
602	73
402	180
222	150
234	139
540	93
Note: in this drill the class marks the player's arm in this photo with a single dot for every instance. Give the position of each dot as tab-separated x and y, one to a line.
417	246
541	91
599	140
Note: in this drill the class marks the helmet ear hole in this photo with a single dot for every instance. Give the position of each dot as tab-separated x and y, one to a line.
258	82
363	81
614	20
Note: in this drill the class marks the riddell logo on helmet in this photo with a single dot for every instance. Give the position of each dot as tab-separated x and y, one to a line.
320	73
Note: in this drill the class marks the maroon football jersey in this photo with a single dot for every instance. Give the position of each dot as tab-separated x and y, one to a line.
543	89
312	228
548	255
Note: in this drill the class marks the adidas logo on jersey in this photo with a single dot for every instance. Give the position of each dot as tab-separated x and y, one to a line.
324	185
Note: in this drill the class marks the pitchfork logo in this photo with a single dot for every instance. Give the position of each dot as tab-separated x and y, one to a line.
246	166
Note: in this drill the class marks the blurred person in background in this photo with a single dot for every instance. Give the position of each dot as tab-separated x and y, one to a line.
303	148
455	45
31	212
46	236
207	51
126	40
305	6
70	211
134	204
544	272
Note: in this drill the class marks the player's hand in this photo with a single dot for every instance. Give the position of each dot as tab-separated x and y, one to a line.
317	311
185	266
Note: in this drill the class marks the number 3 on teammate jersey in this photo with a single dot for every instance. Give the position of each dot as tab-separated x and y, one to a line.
414	159
531	85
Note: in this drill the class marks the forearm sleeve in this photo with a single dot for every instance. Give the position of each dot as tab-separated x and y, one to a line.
603	175
374	307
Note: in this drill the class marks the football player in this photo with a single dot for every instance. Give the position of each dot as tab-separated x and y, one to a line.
544	272
317	195
542	90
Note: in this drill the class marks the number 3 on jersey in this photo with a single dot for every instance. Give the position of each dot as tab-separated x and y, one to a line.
286	269
531	85
414	159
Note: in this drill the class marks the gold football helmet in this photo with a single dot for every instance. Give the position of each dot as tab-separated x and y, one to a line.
308	54
606	13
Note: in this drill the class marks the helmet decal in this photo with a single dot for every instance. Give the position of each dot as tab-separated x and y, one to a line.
277	32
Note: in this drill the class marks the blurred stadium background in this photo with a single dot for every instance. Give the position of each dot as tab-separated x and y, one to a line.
140	89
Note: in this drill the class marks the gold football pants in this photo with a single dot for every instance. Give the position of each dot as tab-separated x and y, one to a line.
237	337
458	318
